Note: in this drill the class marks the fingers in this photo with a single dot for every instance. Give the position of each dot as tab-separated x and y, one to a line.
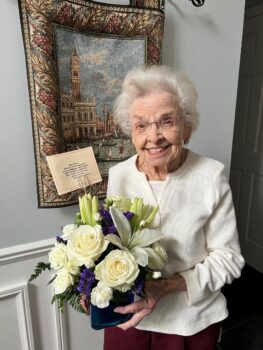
140	309
132	308
135	320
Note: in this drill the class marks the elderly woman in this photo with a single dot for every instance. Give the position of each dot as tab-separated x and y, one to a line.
185	308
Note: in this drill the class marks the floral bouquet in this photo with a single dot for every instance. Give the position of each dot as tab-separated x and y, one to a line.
105	257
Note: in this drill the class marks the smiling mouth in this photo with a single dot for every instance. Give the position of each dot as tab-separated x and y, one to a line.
157	150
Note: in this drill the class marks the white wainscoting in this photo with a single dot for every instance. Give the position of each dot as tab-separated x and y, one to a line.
28	320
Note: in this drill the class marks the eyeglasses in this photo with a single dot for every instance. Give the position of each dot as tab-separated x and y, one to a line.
167	124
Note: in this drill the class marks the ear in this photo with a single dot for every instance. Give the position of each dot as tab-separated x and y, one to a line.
187	134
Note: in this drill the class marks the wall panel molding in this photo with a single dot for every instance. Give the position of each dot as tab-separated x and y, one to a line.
60	321
25	251
20	292
45	326
17	255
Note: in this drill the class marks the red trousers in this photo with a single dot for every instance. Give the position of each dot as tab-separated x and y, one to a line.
133	339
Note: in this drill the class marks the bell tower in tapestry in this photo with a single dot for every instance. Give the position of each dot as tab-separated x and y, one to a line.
75	74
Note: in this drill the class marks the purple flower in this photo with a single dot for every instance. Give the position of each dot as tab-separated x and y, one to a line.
128	214
112	229
105	214
107	223
139	285
86	281
61	240
104	229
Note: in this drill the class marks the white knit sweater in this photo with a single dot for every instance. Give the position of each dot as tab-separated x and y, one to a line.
197	219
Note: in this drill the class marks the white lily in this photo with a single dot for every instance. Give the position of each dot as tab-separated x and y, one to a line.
137	243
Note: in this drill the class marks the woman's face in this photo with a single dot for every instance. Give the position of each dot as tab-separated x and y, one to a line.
158	147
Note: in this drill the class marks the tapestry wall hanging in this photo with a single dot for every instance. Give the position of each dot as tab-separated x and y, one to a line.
77	53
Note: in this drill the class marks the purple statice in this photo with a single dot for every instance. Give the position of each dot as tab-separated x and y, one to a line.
112	229
139	285
61	240
86	281
105	214
104	229
107	223
108	228
128	214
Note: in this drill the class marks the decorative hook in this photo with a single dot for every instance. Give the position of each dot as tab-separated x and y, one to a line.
198	3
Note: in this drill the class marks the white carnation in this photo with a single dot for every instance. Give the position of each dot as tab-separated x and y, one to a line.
67	230
101	295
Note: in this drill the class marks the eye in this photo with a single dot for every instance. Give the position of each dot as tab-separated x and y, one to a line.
167	123
141	126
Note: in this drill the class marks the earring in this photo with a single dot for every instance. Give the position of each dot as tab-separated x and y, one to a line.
186	141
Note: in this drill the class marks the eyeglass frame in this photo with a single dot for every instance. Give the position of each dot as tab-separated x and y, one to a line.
158	125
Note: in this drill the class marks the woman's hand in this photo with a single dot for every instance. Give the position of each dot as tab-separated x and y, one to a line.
155	290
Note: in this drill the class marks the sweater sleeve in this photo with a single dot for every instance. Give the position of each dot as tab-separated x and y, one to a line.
224	260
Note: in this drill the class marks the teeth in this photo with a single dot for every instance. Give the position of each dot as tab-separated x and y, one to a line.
155	150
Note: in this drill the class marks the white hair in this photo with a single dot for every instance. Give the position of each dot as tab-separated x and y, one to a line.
144	80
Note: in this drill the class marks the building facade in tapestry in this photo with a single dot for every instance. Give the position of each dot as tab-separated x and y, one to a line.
81	123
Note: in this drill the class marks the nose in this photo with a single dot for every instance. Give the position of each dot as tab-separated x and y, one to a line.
154	133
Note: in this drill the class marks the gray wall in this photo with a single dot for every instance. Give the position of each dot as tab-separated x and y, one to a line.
205	42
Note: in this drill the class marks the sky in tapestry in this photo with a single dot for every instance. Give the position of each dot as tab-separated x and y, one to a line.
104	61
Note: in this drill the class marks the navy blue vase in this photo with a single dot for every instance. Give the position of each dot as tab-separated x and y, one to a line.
106	317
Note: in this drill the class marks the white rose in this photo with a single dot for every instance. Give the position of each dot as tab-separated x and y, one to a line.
118	270
101	295
62	281
72	267
58	256
86	244
67	230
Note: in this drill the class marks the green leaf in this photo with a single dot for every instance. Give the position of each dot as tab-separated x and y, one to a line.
78	219
74	302
71	297
40	267
63	298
